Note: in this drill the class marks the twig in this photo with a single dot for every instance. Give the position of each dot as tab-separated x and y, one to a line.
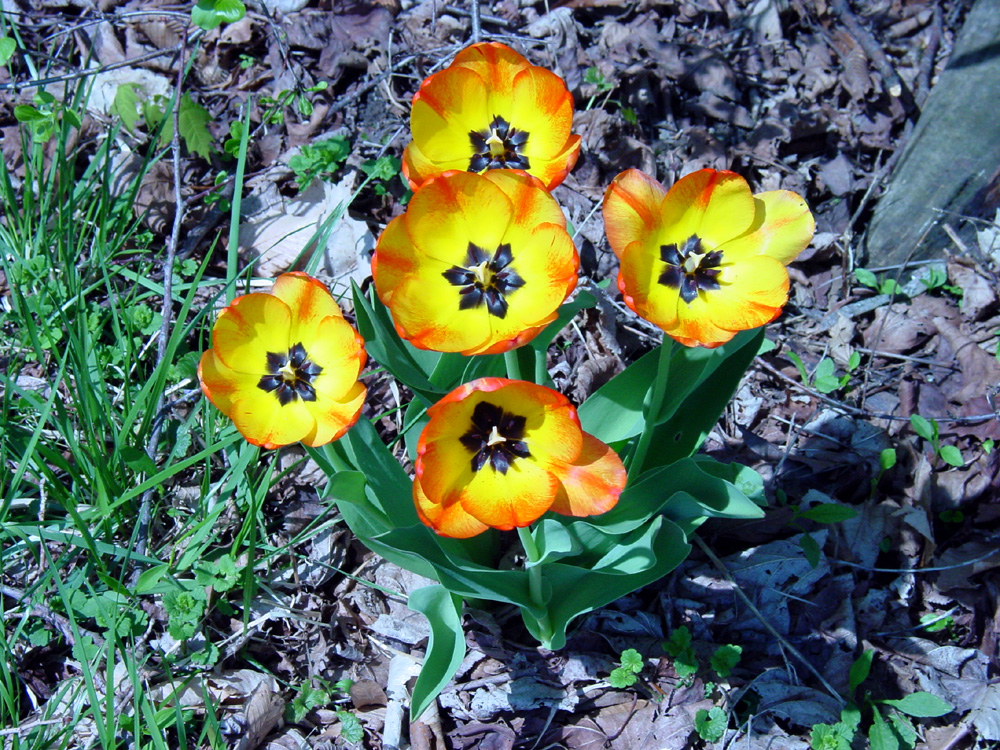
477	26
166	311
864	413
764	621
937	569
890	79
58	621
927	59
22	85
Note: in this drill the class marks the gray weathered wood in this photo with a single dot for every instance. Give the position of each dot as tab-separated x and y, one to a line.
953	153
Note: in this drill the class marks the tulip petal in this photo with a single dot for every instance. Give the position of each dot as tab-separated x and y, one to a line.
711	204
447	520
782	229
505	501
592	483
631	210
450	104
248	329
339	350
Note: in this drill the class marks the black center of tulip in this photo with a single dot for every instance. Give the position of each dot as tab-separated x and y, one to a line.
495	436
289	376
485	279
498	147
689	268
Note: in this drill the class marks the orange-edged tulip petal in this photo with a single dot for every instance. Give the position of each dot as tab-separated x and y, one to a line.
285	364
706	258
632	209
500	453
491	109
478	264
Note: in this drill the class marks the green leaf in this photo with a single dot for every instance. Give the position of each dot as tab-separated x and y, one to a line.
881	735
384	344
725	658
7	48
126	105
30	114
921	705
903	728
866	278
887	459
636	560
446	647
854	361
621	677
830	737
829	513
567	311
711	724
800	366
211	13
952	456
350	727
678	641
684	491
192	123
632	659
810	549
860	669
923	428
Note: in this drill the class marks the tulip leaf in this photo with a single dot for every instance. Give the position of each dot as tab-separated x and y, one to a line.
636	561
411	365
684	490
615	411
446	647
555	540
453	369
391	488
684	431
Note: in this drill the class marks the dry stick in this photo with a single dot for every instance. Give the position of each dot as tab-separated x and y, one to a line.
893	84
770	628
167	312
21	85
926	70
477	27
864	413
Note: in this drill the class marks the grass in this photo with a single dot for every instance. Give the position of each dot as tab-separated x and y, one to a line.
127	613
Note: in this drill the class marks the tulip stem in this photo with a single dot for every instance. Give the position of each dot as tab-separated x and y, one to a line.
541	371
513	364
535	581
653	404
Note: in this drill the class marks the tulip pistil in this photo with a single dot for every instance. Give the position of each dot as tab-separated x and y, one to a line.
485	279
499	146
496	436
689	268
290	376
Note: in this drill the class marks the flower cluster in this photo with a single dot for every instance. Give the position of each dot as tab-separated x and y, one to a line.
480	263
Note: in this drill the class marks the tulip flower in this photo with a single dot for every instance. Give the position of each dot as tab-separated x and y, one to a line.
500	453
284	365
707	258
491	109
478	264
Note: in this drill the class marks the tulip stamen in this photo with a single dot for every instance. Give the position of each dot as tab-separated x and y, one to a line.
690	269
499	146
290	376
496	437
485	279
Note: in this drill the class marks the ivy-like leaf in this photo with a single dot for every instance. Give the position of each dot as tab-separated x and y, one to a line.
921	704
126	105
211	13
193	122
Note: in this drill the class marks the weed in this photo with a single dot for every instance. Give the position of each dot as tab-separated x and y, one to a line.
929	430
870	280
825	378
896	733
319	159
630	665
382	171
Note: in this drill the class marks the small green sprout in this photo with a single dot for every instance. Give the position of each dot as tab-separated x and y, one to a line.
630	665
929	430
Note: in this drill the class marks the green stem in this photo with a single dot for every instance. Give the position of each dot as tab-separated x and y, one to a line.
541	371
653	405
513	364
535	580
